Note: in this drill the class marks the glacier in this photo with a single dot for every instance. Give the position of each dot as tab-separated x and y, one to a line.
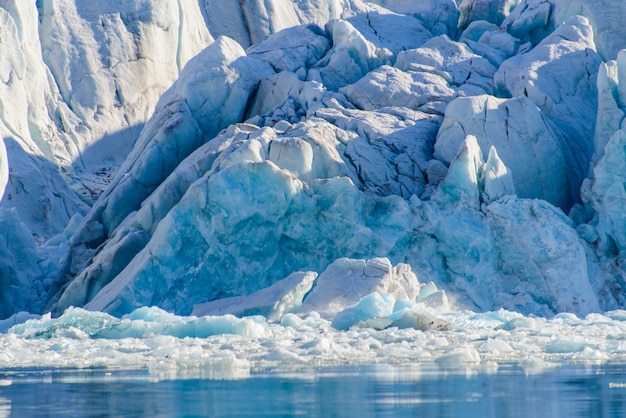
259	169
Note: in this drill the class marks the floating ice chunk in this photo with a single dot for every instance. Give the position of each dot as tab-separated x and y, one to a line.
422	321
571	318
18	318
459	357
379	323
346	281
437	300
281	355
519	323
76	323
272	302
248	327
562	345
590	355
617	315
495	346
381	311
371	306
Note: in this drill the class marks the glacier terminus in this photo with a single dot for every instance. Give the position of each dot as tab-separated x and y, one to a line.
338	175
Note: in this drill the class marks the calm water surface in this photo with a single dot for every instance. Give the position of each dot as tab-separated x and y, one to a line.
347	391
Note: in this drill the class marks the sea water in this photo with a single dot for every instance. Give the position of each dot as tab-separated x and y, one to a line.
343	391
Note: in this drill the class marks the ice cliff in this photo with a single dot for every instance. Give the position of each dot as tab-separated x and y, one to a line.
336	156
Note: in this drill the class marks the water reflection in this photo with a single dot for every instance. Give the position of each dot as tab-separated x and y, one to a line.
571	391
5	407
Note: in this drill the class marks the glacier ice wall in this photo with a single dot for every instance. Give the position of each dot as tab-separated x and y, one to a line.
532	20
453	138
81	80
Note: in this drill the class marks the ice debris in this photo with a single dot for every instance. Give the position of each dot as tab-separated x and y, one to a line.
346	281
229	347
273	302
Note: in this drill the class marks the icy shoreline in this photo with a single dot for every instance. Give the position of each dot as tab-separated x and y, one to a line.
152	339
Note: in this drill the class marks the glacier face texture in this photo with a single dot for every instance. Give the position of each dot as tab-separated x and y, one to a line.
273	157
